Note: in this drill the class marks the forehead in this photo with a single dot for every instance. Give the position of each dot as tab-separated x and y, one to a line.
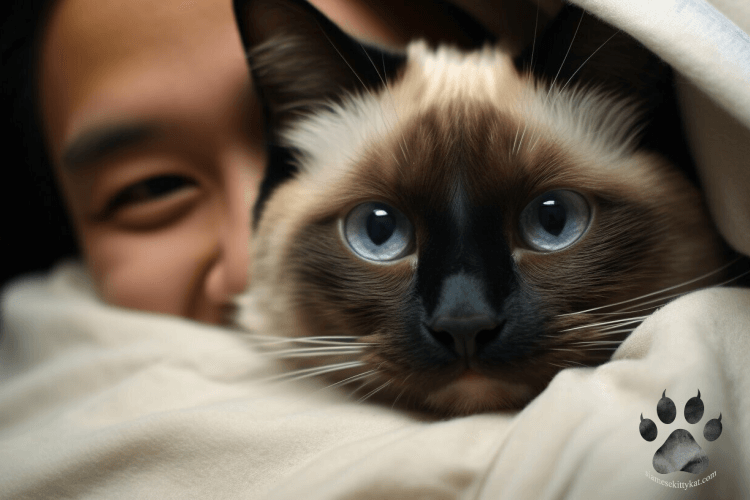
470	120
432	85
101	58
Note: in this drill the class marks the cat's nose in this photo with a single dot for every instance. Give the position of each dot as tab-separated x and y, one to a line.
464	335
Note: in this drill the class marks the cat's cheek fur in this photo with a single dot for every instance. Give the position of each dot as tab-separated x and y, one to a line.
267	307
340	294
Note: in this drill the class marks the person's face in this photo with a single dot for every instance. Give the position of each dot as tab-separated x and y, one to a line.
156	141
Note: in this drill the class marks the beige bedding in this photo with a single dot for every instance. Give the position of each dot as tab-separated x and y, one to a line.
98	402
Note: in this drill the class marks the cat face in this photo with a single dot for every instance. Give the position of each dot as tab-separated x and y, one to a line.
447	229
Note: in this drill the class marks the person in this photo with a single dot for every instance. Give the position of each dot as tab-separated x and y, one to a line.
155	140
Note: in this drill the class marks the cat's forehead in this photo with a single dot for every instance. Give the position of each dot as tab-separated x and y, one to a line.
333	141
448	112
447	75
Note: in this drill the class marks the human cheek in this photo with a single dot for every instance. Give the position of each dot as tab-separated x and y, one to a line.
161	270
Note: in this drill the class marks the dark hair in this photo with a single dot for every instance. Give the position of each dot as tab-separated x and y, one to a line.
36	230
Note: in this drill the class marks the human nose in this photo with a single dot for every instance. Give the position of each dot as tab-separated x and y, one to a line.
229	275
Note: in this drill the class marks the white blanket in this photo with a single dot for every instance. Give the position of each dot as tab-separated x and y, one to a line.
98	402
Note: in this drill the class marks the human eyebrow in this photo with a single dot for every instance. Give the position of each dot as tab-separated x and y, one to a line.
101	142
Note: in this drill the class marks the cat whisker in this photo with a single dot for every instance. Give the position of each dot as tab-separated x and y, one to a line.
587	60
613	324
552	86
387	88
736	278
625	311
322	340
274	348
659	302
314	372
402	391
680	294
398	397
351	379
516	148
520	142
597	333
619	325
313	344
311	352
596	343
362	384
536	142
382	80
674	287
374	391
578	363
530	73
570	364
365	87
302	339
533	40
615	332
402	143
348	380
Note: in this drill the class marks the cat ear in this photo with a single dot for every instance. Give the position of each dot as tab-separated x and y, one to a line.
301	60
576	48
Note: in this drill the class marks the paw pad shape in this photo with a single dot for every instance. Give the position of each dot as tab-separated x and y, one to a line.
680	452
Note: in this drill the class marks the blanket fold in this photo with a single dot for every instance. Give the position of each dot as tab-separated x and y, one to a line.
99	402
143	405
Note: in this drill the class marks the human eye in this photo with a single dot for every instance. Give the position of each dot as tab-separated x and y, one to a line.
153	201
150	189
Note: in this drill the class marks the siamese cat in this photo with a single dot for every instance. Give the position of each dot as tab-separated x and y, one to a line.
450	228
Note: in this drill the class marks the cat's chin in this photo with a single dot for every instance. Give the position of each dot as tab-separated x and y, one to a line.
474	393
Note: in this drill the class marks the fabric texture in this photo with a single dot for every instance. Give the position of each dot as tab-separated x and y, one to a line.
99	402
709	45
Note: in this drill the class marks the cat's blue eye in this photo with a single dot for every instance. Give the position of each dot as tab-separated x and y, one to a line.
378	232
555	220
